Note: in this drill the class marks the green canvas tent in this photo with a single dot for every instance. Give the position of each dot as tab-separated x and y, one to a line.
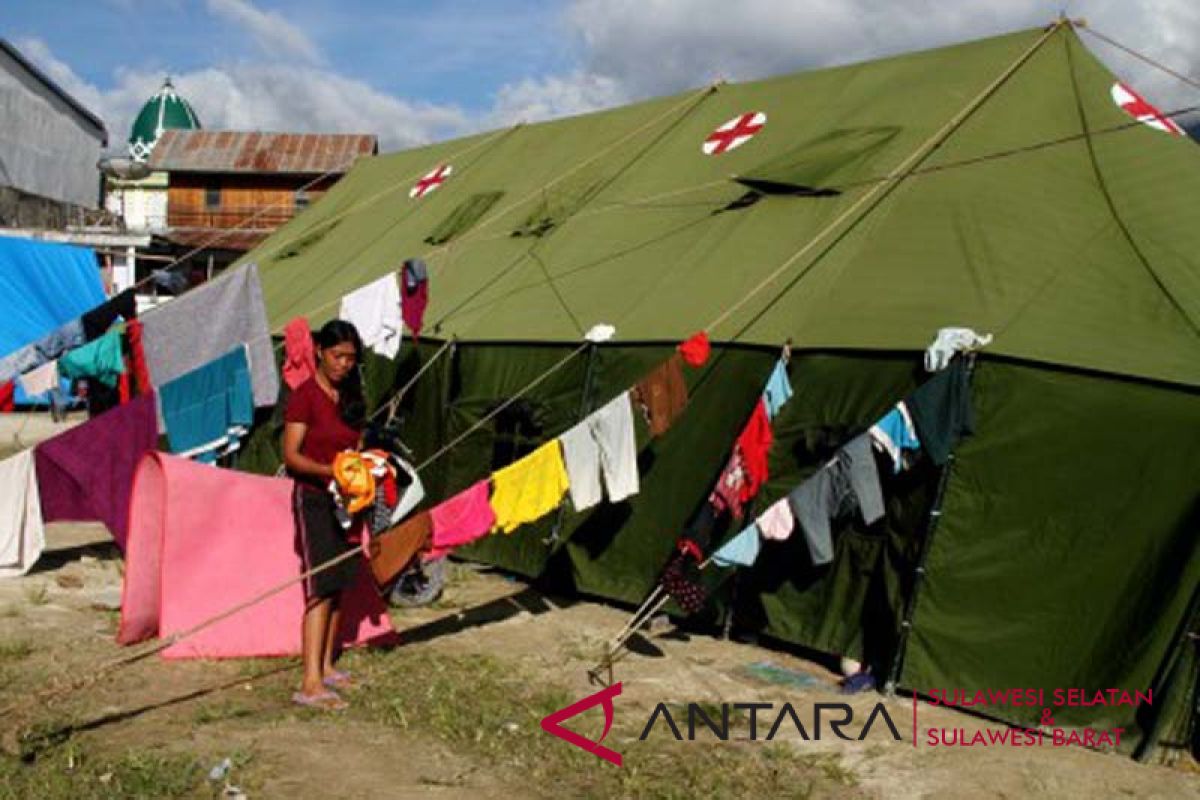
1023	202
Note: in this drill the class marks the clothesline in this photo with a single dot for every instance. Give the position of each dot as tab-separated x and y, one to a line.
718	322
936	415
91	676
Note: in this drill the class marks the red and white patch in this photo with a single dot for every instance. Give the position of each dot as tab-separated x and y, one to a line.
1135	106
430	181
734	133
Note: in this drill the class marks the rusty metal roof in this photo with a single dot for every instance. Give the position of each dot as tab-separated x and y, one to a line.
261	153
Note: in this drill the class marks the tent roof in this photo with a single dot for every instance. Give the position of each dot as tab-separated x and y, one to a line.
1076	250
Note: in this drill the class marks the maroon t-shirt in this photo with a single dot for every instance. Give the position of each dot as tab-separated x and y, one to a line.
327	433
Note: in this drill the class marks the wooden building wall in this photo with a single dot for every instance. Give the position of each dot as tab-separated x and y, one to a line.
241	196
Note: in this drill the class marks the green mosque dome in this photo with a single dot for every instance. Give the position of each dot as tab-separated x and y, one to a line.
164	110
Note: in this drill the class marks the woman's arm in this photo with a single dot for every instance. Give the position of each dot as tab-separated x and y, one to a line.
293	436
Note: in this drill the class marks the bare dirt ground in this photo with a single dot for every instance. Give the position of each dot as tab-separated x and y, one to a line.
453	712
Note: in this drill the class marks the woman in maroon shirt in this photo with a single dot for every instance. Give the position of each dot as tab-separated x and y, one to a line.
324	416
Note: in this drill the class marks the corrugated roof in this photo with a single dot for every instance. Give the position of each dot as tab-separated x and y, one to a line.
254	152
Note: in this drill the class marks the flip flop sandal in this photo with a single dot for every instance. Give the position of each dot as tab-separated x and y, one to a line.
339	680
325	701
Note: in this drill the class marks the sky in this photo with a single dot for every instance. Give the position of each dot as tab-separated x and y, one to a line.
416	71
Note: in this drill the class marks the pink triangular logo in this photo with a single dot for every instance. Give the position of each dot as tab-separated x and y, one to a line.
604	697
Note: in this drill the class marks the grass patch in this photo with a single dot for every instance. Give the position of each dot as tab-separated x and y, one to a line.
68	773
221	711
492	710
582	647
15	650
37	594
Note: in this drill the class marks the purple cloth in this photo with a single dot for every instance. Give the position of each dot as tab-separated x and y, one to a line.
86	474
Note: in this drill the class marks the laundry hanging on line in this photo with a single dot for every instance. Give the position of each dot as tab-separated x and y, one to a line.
602	447
895	434
662	395
941	411
207	322
740	551
777	522
464	518
604	443
528	489
948	343
414	294
207	411
374	310
300	358
779	389
47	348
135	359
97	321
396	549
850	481
695	350
734	488
41	380
85	473
22	531
747	470
102	359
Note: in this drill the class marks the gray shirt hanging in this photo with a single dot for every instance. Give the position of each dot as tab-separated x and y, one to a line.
207	322
849	481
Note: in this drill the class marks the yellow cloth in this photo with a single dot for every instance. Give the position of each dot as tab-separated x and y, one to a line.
529	489
354	480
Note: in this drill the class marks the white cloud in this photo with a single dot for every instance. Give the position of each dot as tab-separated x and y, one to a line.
661	46
273	33
640	48
271	97
61	73
536	99
627	50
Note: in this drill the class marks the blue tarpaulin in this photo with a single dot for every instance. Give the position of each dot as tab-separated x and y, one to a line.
43	285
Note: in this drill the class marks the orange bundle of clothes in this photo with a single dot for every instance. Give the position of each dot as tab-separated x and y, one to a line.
354	479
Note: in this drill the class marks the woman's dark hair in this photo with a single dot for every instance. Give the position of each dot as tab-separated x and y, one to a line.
352	405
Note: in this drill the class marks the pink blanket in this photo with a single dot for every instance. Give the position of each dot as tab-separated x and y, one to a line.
204	539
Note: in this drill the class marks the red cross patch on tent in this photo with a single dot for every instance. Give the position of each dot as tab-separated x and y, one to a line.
1135	106
430	180
734	133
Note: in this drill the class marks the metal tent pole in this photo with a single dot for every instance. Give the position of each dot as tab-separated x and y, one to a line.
931	526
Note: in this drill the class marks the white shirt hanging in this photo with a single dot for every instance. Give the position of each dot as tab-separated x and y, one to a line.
375	311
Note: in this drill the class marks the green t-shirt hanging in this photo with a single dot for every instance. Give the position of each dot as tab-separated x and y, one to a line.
100	358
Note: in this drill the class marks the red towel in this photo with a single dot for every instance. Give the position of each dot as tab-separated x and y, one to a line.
755	443
137	357
300	358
